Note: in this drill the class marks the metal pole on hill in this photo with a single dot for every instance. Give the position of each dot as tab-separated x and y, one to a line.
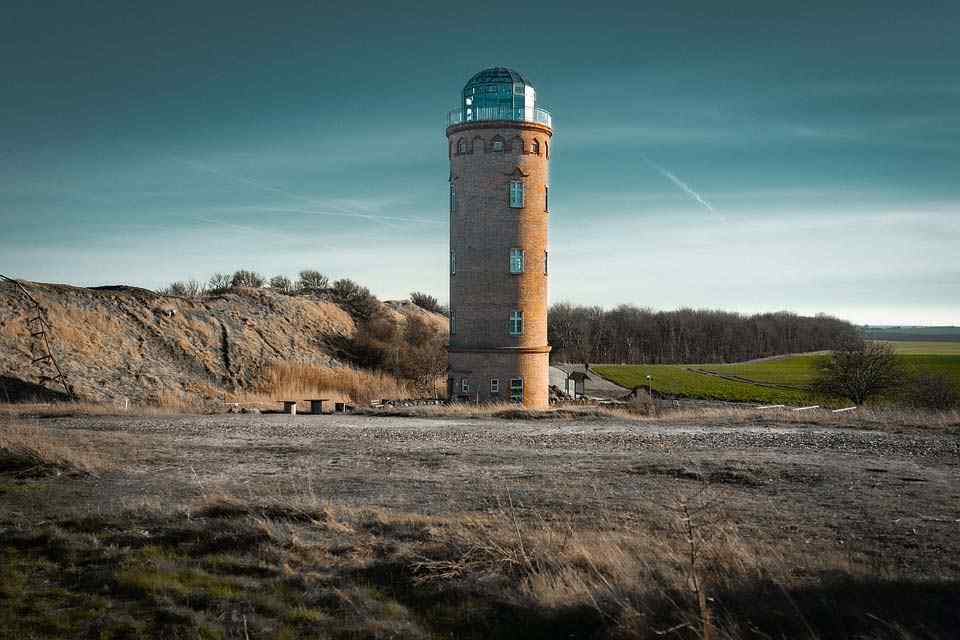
38	327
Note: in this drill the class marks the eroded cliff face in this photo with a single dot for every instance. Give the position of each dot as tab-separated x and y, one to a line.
123	342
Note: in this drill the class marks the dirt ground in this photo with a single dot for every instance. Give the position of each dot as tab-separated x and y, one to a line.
887	504
874	493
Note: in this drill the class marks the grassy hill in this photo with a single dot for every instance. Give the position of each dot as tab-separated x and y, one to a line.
123	342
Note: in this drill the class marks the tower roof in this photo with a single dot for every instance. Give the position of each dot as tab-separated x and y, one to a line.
498	93
496	75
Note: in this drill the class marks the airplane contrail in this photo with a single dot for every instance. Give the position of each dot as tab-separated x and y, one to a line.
679	183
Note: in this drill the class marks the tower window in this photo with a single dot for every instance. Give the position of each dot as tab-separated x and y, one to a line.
453	322
498	145
453	198
516	194
494	386
546	262
453	262
516	389
535	147
516	323
546	199
464	385
461	146
516	260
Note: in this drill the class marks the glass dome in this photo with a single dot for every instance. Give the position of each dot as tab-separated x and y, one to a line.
498	93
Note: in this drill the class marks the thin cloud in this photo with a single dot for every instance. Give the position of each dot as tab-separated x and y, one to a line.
341	212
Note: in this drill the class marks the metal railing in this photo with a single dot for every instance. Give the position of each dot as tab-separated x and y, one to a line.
460	116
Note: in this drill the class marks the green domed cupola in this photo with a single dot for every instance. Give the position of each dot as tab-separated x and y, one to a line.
498	93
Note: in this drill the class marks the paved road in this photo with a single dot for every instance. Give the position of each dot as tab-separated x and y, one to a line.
595	386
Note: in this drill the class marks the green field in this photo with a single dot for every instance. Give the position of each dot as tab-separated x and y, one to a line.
682	380
789	371
924	347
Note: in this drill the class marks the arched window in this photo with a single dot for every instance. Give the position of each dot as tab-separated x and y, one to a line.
535	147
546	150
516	194
461	146
497	143
476	146
516	144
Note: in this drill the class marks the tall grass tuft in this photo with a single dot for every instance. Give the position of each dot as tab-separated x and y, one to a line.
27	450
298	381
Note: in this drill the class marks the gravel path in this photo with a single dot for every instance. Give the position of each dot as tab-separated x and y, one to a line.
595	386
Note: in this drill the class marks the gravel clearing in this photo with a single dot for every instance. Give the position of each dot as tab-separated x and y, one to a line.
877	494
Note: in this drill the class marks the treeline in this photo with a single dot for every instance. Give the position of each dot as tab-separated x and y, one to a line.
629	334
354	297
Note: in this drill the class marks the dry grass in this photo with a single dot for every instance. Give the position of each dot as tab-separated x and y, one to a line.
117	408
683	569
297	381
864	417
28	450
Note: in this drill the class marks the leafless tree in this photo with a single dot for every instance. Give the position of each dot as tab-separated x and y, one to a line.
635	335
218	282
859	370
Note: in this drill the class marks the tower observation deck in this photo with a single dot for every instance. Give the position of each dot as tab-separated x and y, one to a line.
498	93
499	149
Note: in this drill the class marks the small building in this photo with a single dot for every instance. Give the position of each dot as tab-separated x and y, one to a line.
579	379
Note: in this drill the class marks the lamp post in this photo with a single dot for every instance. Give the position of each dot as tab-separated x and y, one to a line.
649	385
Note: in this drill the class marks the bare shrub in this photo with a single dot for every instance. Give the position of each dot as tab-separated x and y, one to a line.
185	289
281	284
356	299
426	301
934	391
412	348
642	404
311	280
218	282
244	278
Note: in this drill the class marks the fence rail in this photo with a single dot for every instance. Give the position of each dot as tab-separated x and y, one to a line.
460	116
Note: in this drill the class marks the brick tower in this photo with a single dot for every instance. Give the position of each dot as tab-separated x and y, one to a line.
499	148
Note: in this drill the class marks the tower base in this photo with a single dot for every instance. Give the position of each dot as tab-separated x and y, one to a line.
492	375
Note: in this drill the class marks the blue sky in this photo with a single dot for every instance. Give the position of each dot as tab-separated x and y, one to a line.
145	144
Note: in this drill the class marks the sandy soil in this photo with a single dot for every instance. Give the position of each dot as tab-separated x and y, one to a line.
888	496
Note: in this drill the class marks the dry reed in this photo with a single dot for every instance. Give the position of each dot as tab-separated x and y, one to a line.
298	381
31	450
